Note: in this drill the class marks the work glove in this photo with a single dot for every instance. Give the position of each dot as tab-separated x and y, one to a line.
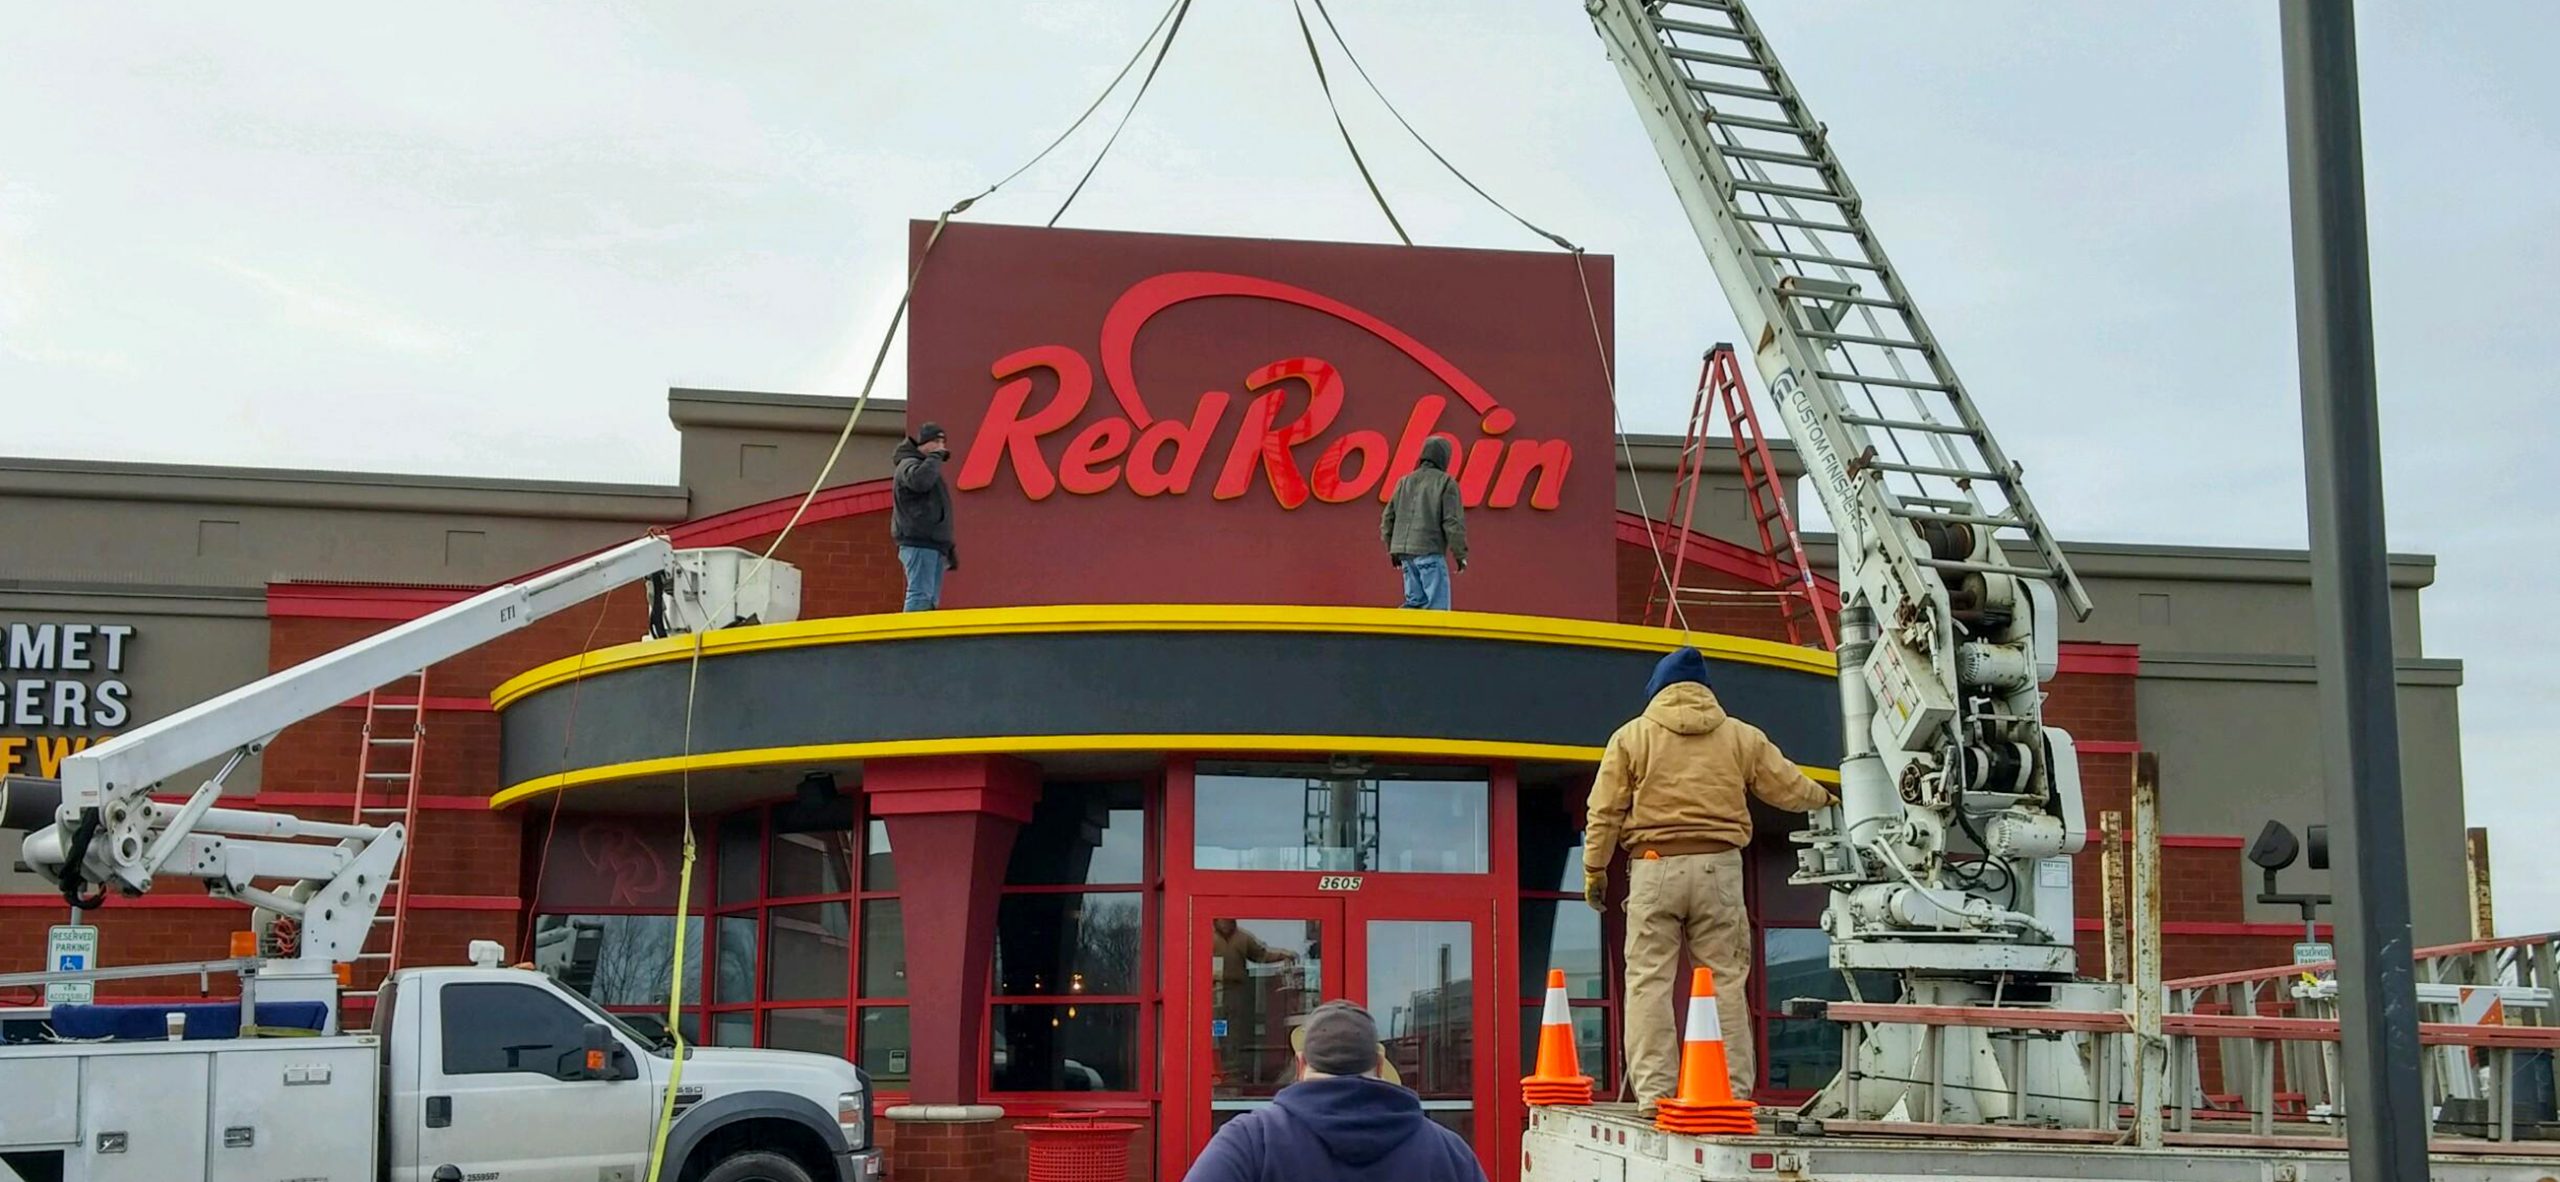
1595	888
951	559
1462	562
1396	561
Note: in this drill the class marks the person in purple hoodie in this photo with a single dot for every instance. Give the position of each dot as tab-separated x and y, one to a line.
1339	1122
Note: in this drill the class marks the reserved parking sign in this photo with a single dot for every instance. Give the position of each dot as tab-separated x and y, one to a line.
70	948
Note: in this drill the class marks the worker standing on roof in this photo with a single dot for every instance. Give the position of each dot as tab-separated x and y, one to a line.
1425	527
1673	790
920	515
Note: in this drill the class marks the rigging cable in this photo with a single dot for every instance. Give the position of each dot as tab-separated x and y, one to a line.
1608	373
1338	125
1181	9
862	400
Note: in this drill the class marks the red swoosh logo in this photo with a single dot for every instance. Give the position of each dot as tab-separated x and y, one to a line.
1144	299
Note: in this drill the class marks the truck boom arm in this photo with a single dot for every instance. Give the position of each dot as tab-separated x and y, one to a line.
107	829
1958	805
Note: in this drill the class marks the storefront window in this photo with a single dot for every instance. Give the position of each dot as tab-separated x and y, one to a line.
734	978
1069	945
1073	994
884	949
1422	992
810	864
1065	1048
820	1029
617	960
1796	962
808	951
884	1047
1343	816
1087	835
604	915
740	842
801	959
1561	934
1560	931
879	870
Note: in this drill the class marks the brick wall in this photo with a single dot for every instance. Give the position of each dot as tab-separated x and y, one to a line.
2197	884
129	935
2091	705
1007	1160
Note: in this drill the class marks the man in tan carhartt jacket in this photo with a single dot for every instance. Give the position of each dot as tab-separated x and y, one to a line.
1674	790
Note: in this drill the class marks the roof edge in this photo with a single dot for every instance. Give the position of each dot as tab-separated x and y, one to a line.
107	480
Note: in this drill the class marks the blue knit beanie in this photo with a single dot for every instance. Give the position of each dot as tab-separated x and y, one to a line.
1685	665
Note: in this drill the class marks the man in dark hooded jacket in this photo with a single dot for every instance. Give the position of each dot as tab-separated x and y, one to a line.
1674	791
1425	520
920	515
1339	1122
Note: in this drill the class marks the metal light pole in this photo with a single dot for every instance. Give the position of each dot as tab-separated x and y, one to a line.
2351	596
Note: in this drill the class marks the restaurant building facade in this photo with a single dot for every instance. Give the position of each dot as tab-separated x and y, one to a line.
1170	768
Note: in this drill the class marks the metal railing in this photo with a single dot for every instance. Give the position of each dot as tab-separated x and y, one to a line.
2246	1087
2504	982
2251	1057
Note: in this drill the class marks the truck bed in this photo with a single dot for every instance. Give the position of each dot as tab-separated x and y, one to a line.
223	1110
1609	1143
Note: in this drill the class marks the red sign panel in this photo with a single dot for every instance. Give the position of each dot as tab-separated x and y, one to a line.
1146	418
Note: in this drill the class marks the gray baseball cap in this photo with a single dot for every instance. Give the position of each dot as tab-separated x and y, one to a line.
1342	1039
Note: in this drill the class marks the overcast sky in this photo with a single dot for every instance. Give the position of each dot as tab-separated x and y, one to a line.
485	238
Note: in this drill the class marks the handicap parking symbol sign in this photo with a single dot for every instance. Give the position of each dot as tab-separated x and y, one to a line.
70	948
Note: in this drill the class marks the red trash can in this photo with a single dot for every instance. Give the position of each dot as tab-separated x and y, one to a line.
1078	1147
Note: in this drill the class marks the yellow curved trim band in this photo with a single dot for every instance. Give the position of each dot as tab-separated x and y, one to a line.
999	621
1037	744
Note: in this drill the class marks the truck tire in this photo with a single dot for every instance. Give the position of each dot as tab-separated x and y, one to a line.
757	1165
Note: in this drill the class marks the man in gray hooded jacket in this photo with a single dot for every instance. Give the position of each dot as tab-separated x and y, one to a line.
1425	527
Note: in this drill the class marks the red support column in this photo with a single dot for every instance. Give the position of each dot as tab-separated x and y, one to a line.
951	823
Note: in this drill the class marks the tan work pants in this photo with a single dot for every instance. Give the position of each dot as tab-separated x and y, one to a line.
1696	898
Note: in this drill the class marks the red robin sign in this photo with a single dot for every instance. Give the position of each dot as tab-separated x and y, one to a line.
1152	418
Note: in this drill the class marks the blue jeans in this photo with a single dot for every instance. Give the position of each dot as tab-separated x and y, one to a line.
1426	582
924	576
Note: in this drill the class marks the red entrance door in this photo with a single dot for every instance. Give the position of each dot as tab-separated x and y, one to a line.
1259	964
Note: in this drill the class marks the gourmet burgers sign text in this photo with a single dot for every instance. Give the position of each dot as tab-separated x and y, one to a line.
1153	418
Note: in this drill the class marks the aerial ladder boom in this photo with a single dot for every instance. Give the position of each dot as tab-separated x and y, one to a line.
1949	851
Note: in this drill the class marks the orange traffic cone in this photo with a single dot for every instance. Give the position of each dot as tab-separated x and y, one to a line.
1559	1079
1705	1104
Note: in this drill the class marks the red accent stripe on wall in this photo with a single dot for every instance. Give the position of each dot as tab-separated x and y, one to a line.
434	703
2107	746
2202	841
209	903
384	601
2198	927
347	800
755	521
2106	660
358	601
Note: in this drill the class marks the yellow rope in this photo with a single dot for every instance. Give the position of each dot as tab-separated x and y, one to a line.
684	906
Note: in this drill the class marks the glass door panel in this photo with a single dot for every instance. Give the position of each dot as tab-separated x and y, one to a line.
1262	971
1422	991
